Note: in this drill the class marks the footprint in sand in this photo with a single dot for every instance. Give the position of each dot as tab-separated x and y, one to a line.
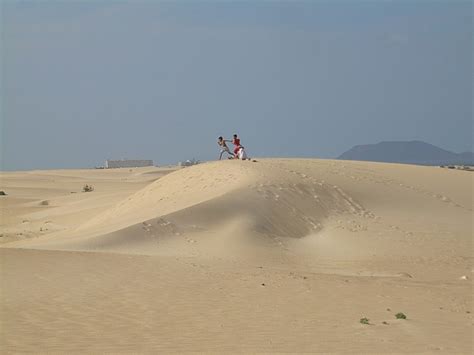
404	274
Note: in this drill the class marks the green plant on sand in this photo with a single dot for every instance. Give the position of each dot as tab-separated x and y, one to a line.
88	188
400	315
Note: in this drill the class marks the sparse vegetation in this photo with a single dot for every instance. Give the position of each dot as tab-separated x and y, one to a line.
88	188
400	315
364	321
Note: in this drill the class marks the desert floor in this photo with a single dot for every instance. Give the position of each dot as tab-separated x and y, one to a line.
278	255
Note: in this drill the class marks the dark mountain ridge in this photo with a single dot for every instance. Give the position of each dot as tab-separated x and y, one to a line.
411	152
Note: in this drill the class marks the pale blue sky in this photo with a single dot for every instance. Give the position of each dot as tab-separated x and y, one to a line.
88	80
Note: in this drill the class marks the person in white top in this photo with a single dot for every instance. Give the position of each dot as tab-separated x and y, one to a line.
224	148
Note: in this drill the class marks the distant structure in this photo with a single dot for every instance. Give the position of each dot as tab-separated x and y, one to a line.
110	164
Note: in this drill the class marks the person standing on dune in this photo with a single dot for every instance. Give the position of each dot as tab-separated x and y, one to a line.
236	143
224	148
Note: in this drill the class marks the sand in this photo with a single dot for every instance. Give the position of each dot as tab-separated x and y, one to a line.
279	255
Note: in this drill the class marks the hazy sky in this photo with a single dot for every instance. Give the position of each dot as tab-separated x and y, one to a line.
84	81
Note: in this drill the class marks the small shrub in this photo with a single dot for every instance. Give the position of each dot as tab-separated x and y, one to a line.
44	203
364	321
400	315
88	188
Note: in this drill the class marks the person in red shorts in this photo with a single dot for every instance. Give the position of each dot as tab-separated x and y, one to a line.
236	143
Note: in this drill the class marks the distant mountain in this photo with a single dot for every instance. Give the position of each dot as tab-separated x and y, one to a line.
414	152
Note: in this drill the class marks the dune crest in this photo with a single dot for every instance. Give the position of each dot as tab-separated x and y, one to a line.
312	208
308	207
263	199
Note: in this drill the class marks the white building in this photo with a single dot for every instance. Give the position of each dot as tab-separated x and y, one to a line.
109	164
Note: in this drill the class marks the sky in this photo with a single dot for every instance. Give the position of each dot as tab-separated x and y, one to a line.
85	81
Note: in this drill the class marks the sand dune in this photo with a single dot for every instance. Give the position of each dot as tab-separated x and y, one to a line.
292	251
41	202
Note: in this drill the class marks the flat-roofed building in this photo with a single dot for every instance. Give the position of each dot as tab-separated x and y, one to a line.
109	164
